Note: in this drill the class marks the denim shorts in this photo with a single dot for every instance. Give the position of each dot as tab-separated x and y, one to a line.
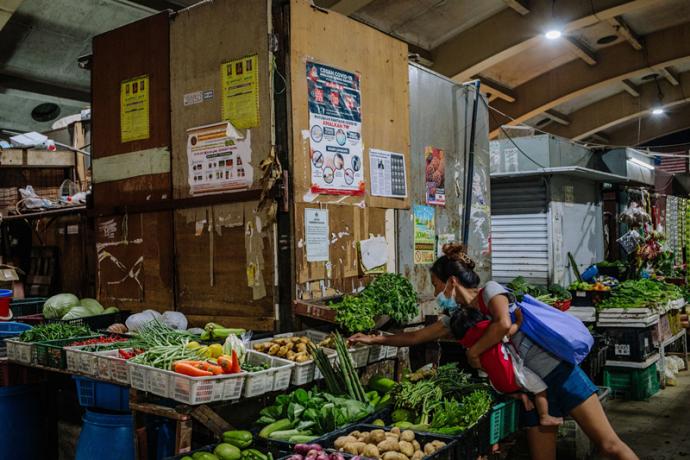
568	387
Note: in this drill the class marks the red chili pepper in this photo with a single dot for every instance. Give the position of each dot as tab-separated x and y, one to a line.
98	340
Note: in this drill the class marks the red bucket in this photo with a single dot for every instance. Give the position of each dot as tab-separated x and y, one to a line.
5	298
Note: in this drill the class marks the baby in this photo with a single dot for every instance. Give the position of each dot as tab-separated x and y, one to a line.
505	375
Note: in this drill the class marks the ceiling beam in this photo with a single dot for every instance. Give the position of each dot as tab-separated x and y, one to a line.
494	88
574	79
621	108
669	75
44	88
600	138
7	9
581	50
651	127
624	31
158	5
520	6
506	34
347	7
558	117
630	88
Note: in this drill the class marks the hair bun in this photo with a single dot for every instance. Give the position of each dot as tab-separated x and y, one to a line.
456	251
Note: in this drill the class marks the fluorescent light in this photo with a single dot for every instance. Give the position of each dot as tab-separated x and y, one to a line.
640	163
657	110
553	34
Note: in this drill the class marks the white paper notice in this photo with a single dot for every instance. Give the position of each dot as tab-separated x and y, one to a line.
218	159
387	174
374	252
316	234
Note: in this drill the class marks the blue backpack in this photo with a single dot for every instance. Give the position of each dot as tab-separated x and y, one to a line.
555	331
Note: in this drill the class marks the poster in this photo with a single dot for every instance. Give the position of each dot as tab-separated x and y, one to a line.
387	171
134	109
435	176
443	239
424	234
218	159
240	87
316	234
335	131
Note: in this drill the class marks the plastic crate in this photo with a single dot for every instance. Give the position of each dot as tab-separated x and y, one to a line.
588	298
633	384
102	395
503	420
10	330
21	352
113	367
448	452
283	373
593	364
26	307
258	383
629	343
94	322
33	320
81	361
52	352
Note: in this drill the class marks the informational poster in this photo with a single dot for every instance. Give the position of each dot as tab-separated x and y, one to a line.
240	87
134	109
443	239
387	171
316	234
218	159
335	131
435	176
424	234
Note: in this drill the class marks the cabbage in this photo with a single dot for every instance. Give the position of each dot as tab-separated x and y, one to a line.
137	321
110	310
92	304
77	312
58	305
234	343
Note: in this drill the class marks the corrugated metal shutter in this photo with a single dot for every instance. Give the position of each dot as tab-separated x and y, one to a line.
520	231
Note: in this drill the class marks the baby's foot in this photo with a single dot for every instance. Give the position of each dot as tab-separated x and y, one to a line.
527	402
547	420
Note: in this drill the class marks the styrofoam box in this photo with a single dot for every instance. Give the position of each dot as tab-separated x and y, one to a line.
22	352
112	367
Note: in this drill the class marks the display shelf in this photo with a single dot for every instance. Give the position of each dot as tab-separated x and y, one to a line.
673	339
314	310
635	365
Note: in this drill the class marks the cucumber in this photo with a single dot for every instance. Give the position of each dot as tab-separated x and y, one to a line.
280	425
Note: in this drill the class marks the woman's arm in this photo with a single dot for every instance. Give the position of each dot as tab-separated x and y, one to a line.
516	325
499	327
404	339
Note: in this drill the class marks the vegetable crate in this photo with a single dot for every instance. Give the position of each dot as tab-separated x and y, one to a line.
447	452
258	383
21	352
186	389
94	322
103	395
113	367
503	420
25	307
52	352
629	344
380	352
588	298
634	384
593	364
81	361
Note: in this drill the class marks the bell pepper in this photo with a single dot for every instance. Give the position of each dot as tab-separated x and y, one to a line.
238	438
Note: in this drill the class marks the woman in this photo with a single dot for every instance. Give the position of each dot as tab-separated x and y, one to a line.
570	391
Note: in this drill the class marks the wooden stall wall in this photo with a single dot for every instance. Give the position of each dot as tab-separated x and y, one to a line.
225	251
332	39
134	172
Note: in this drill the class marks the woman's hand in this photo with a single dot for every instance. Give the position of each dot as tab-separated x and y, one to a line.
362	338
473	359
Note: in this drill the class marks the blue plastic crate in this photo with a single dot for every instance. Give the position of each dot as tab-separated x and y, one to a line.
103	395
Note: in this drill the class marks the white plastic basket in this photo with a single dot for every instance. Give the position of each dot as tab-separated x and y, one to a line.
258	383
332	357
377	353
72	358
391	352
202	390
21	352
137	376
112	367
283	373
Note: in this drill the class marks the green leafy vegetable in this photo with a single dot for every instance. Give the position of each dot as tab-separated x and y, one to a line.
54	331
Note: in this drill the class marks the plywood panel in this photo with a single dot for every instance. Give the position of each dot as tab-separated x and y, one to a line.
212	265
139	48
135	261
333	39
201	39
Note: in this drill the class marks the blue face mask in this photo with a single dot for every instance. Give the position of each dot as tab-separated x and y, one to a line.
447	304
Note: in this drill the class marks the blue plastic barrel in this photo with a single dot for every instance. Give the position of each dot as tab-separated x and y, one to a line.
21	419
106	437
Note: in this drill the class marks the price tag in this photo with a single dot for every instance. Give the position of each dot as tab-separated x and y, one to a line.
622	350
580	294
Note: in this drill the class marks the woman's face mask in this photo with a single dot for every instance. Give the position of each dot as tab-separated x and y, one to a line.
447	304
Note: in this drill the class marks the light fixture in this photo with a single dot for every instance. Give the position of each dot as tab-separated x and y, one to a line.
657	110
553	34
640	163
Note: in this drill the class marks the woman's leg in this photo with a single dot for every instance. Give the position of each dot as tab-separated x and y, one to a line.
542	442
592	419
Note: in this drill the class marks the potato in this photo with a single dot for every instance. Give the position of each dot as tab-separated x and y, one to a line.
392	436
281	342
300	347
416	445
260	346
389	445
354	448
304	340
429	449
418	455
365	437
438	444
283	351
294	339
274	349
342	440
407	435
355	434
301	357
394	456
395	430
377	436
371	451
406	448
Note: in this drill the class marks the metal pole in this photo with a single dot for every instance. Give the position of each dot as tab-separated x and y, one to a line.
470	168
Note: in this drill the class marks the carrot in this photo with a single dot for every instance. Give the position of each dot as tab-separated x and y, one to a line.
235	369
187	369
225	362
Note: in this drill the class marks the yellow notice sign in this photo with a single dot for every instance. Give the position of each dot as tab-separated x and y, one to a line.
134	109
240	85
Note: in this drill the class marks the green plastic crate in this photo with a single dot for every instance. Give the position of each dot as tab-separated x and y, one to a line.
26	307
52	352
503	420
633	384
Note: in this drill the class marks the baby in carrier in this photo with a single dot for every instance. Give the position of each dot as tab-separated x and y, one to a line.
506	371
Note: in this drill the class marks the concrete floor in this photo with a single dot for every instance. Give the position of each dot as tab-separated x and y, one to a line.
657	429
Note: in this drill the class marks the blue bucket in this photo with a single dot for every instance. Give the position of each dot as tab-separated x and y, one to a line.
12	329
21	420
106	437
